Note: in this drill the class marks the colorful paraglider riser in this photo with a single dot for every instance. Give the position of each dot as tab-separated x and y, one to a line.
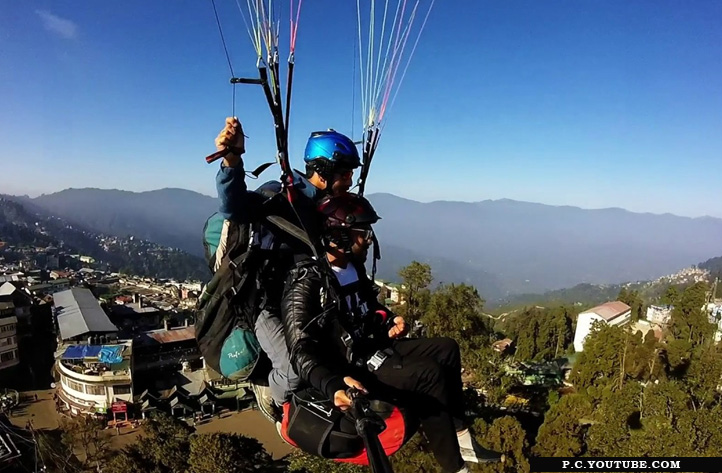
378	80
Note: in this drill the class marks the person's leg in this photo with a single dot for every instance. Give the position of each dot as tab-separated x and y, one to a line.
445	351
282	379
419	385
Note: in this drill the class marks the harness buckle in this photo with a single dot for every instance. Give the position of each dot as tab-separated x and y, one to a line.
376	360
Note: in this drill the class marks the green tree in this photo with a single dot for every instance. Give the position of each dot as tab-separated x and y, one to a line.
52	452
634	301
455	311
168	445
300	462
690	329
162	448
227	453
667	424
488	373
527	337
416	278
131	460
85	433
506	435
671	296
562	433
166	442
542	334
600	362
617	410
702	379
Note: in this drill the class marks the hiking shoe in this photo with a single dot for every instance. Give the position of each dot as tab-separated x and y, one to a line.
472	452
481	455
279	429
265	402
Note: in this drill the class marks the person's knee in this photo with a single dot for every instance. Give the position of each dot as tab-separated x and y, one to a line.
449	345
294	381
433	374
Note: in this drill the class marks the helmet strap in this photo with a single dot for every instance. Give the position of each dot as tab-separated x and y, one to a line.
377	256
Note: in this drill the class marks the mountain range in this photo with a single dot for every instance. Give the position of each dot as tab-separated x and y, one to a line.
503	247
170	217
533	248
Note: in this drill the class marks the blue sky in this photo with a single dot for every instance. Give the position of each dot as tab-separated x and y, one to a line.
578	102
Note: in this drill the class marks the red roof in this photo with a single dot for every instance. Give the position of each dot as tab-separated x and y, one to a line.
610	310
174	335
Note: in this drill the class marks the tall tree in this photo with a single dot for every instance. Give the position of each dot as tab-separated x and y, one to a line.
702	379
689	324
85	433
416	279
455	311
634	301
506	435
162	448
562	433
169	445
671	295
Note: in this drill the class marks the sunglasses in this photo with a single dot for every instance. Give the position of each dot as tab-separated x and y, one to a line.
366	233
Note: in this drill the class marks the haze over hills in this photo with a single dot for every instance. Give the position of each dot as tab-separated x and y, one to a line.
534	247
170	217
503	247
23	225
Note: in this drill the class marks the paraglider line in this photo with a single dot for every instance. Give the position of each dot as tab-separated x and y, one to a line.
228	58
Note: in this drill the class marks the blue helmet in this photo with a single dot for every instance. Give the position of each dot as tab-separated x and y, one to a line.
334	147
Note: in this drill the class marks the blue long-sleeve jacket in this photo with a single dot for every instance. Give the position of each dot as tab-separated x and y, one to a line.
240	205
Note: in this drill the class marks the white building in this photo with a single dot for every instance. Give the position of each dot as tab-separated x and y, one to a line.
8	342
93	377
612	313
714	316
659	314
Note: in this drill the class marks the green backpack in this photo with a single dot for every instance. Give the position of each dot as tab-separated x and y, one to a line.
226	310
229	304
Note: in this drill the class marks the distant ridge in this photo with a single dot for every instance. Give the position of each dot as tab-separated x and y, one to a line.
504	246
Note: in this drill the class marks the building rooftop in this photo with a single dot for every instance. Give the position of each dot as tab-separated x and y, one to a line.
112	362
173	335
7	289
609	310
110	354
79	312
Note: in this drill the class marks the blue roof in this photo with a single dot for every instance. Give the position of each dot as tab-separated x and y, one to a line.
111	354
79	352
